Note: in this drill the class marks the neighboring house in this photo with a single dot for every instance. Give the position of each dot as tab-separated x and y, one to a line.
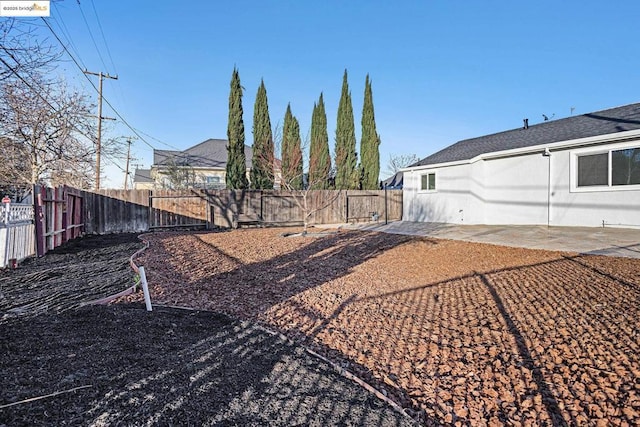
201	166
142	180
394	182
578	171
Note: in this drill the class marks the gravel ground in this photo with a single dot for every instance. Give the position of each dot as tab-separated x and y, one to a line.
457	333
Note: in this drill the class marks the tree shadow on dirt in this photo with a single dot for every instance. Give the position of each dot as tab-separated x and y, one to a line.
552	342
247	290
171	366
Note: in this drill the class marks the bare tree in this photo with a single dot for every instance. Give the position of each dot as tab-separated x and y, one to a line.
399	161
178	175
290	183
49	129
23	51
12	167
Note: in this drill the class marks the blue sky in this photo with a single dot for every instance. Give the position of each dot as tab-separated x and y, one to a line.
441	70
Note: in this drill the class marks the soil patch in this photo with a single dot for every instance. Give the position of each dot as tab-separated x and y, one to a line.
122	365
456	332
82	270
63	363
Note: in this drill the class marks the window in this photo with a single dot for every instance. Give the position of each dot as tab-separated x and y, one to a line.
428	182
593	170
625	167
611	169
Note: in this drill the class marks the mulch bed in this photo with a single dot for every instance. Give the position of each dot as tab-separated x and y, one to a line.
82	270
457	333
122	365
64	363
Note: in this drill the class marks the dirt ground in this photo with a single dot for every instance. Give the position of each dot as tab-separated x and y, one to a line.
119	365
84	269
63	363
457	333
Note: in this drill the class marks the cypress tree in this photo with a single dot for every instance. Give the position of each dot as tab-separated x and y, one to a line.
345	152
370	143
291	152
236	176
319	157
262	164
298	181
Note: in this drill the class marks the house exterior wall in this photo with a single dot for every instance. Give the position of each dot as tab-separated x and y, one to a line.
589	208
204	177
450	202
528	189
515	190
144	185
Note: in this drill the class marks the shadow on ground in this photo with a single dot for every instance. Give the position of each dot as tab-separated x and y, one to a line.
463	332
167	367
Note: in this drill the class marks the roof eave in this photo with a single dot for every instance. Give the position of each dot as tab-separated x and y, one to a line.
591	140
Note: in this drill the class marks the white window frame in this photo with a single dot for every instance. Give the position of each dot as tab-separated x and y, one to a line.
435	180
573	168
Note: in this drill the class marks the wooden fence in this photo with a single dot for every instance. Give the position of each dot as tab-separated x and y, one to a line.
231	207
122	211
111	211
63	213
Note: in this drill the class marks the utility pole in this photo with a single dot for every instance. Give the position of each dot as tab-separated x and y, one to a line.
126	174
100	75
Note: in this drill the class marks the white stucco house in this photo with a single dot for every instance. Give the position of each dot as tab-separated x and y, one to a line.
578	171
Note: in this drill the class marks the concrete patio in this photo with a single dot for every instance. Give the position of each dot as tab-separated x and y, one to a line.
618	242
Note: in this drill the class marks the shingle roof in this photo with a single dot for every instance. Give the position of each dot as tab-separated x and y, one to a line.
395	181
211	153
603	122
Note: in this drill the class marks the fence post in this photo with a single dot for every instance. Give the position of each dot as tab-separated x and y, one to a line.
7	206
386	215
346	206
150	203
39	219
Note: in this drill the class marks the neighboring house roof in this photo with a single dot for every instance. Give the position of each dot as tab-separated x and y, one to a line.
395	181
211	153
603	122
142	175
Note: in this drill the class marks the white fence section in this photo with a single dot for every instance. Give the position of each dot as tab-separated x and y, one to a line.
17	233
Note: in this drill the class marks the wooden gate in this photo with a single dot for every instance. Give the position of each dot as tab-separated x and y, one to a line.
59	216
362	206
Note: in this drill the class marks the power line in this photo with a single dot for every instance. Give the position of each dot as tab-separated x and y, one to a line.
113	161
137	133
91	35
67	34
126	173
119	94
160	141
56	110
100	118
96	89
106	45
